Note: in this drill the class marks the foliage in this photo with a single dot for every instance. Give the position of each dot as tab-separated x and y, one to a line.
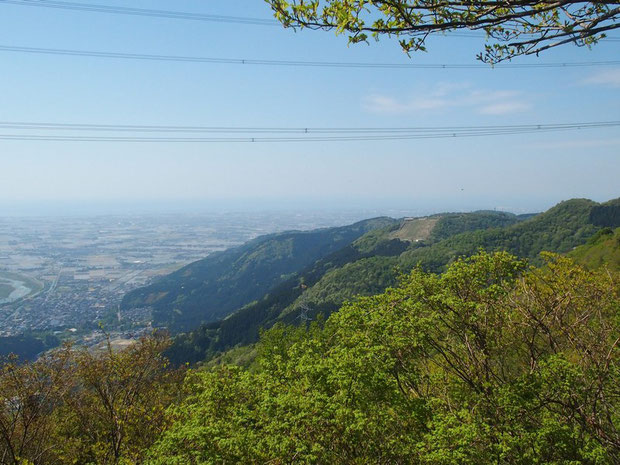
117	404
373	262
606	214
241	355
27	346
456	223
512	28
243	326
221	283
559	229
76	406
29	394
490	362
602	250
367	276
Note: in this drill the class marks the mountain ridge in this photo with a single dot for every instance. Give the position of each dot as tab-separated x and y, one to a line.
374	262
211	288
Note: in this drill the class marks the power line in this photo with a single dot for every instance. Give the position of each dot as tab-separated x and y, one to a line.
183	15
119	10
299	129
303	313
33	138
295	63
283	134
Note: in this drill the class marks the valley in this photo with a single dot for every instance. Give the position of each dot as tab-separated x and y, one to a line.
66	275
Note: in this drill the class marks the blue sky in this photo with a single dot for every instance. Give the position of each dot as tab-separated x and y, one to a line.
520	173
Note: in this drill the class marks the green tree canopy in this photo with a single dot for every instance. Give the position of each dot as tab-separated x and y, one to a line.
513	28
490	362
89	407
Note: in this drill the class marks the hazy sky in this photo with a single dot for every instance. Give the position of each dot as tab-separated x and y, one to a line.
523	172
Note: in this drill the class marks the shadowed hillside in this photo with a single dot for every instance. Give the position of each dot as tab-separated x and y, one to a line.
212	288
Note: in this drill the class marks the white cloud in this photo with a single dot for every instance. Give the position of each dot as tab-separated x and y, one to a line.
385	104
445	96
504	108
608	77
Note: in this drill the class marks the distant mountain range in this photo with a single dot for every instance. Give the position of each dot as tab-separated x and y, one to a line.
295	276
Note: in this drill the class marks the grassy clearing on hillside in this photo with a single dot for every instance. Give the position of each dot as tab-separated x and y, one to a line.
418	229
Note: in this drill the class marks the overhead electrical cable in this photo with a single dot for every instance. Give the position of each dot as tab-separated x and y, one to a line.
297	63
170	14
305	130
120	10
276	134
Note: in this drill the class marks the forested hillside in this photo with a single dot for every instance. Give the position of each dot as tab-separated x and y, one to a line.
212	288
602	250
439	368
374	262
493	361
559	229
146	144
27	346
481	365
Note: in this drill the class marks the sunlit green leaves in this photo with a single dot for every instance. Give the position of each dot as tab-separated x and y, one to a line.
514	28
491	362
